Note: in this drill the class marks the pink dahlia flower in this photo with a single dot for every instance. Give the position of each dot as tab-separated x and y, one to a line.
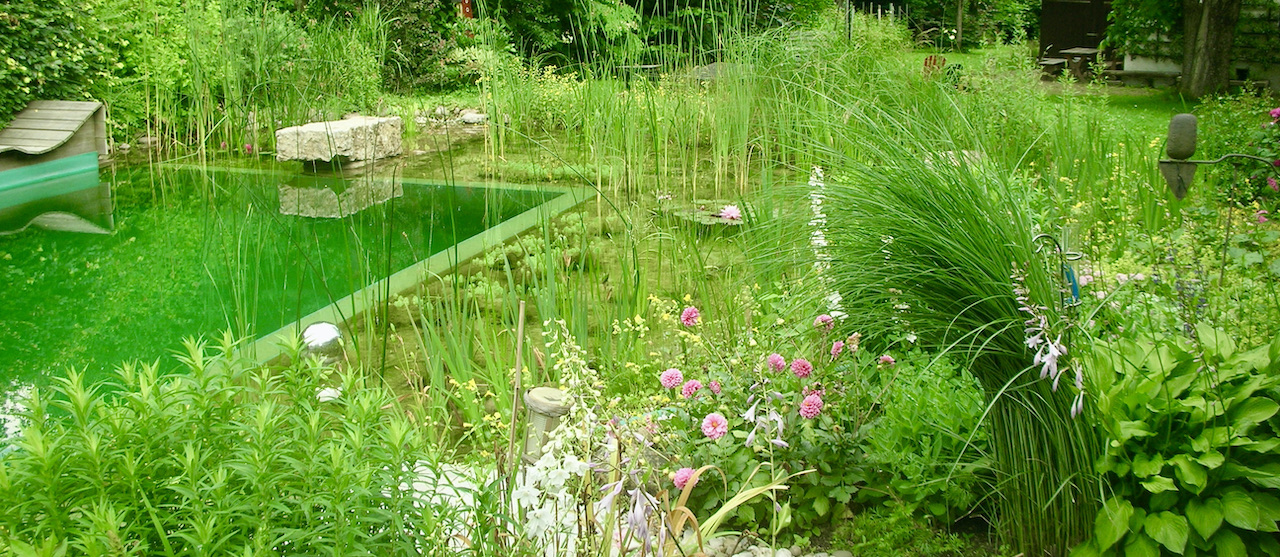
690	316
691	387
811	406
714	386
682	477
715	425
802	368
777	362
671	378
824	321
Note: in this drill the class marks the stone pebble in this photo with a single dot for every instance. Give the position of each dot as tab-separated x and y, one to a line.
732	546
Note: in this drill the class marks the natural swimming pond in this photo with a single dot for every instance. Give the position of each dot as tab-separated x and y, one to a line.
200	250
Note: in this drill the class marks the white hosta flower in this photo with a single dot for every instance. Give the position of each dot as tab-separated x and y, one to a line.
527	496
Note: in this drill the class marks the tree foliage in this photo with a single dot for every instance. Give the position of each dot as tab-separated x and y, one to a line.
44	54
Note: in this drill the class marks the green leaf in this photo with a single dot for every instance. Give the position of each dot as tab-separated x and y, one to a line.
1265	475
1211	459
1229	544
1169	529
1210	438
1268	511
1139	545
1205	515
1146	466
1268	505
1252	411
1239	510
1086	549
1112	522
821	505
1191	474
1274	349
1133	428
1215	341
1159	484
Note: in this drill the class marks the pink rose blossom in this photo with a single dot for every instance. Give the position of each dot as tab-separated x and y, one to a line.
682	477
811	406
824	321
887	360
689	316
801	367
691	387
730	212
671	378
715	425
714	386
836	348
777	362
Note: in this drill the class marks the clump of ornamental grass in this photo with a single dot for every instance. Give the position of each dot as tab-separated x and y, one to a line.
942	249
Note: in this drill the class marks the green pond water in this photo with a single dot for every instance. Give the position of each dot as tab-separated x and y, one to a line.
198	251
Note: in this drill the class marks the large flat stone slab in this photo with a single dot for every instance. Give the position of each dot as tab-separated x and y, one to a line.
356	138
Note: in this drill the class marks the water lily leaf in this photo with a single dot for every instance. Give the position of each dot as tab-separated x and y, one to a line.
1205	515
1169	529
1239	510
1112	522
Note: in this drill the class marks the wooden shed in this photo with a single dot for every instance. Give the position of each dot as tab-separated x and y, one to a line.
49	157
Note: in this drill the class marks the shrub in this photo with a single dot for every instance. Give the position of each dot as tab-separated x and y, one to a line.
926	447
1191	454
47	54
228	457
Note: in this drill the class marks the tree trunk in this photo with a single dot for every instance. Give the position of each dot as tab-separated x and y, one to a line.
959	25
1209	28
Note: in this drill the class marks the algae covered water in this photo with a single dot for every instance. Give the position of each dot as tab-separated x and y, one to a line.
197	251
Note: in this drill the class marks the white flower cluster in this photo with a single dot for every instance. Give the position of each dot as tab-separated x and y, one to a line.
547	495
547	491
1048	352
581	386
818	239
